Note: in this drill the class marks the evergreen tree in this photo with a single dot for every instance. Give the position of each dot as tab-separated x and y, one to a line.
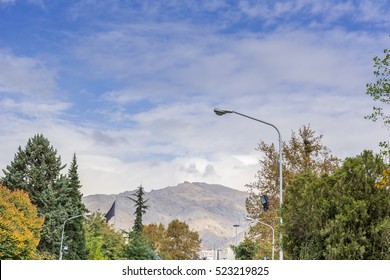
140	209
74	231
139	246
36	169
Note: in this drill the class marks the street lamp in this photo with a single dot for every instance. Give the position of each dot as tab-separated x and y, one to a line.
221	112
273	234
236	226
63	229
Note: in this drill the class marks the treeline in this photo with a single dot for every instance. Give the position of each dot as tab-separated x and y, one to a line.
332	208
42	216
36	170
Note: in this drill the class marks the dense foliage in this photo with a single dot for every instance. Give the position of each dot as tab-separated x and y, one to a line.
102	241
176	242
36	170
303	152
74	231
338	216
246	250
20	225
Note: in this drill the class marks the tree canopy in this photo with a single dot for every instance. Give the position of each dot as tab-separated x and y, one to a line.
36	169
176	242
102	241
304	151
20	225
338	216
246	250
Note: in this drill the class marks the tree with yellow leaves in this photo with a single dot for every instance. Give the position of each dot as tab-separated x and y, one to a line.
303	152
20	225
384	180
177	242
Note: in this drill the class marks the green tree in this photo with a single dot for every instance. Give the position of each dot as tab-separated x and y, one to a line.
140	248
36	169
303	152
180	243
379	90
102	241
74	231
95	248
140	209
246	250
307	207
20	225
338	216
361	215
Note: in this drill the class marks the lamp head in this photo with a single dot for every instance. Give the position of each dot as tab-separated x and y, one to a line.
221	112
249	219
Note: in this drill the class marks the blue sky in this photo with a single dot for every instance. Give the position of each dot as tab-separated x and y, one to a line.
130	86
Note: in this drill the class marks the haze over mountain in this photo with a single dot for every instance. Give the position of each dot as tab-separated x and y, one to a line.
210	209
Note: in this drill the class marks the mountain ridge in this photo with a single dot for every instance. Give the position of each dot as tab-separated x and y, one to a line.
210	209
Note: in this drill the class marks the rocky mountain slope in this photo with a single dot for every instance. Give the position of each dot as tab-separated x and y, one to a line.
210	209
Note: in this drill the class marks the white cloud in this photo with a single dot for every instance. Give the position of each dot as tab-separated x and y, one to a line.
4	2
33	109
161	81
24	75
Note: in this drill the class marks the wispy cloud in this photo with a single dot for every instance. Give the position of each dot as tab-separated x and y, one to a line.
135	82
25	75
4	2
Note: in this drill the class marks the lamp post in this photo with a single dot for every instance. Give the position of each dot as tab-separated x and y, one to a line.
273	234
236	226
221	112
63	229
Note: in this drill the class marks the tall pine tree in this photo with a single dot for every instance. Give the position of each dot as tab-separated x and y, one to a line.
74	231
139	246
140	209
36	169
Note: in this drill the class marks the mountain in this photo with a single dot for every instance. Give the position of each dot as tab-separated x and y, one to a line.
210	209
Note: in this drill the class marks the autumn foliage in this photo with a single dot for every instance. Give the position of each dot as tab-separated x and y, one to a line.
20	225
384	180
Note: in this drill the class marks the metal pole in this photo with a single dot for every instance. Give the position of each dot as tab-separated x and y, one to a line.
273	233
273	238
280	177
236	241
